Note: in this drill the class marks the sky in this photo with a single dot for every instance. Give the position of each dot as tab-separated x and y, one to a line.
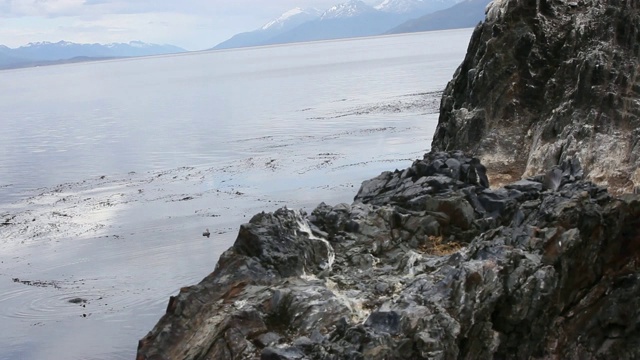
191	24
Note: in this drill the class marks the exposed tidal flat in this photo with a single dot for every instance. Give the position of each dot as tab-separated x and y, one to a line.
109	172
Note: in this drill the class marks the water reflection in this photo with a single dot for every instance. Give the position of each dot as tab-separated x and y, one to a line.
110	171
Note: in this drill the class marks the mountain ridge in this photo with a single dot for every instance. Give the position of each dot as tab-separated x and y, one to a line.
353	18
45	52
285	22
467	13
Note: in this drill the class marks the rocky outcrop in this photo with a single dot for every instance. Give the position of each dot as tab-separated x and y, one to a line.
548	80
433	263
427	263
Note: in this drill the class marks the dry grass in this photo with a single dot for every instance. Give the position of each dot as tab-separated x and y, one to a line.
501	174
436	246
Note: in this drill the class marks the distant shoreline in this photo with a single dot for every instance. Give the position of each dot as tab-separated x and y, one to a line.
74	60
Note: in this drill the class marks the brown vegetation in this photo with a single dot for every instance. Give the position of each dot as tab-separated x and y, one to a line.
436	246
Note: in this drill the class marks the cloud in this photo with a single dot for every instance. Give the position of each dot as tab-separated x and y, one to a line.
162	28
55	8
45	8
62	8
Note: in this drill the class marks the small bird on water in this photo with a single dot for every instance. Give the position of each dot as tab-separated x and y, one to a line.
206	233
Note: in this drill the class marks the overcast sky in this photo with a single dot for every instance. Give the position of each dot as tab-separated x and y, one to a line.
191	24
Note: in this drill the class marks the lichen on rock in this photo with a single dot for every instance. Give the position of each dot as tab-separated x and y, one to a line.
545	81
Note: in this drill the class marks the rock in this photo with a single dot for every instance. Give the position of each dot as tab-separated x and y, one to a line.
282	354
385	321
437	172
267	339
455	207
471	273
429	262
525	186
552	179
546	81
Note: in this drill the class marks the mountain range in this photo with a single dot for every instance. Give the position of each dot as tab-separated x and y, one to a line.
355	18
43	53
464	14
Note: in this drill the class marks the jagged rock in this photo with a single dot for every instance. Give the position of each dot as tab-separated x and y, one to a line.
291	353
525	186
437	172
537	274
545	81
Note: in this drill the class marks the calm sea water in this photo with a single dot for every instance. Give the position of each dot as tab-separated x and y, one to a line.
110	171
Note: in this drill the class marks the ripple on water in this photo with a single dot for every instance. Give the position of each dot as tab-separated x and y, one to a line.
40	305
99	299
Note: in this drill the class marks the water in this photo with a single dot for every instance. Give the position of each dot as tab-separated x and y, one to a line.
110	171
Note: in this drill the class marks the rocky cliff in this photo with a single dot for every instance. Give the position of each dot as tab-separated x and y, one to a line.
548	80
427	263
433	263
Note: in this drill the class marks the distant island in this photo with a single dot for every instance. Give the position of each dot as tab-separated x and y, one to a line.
48	53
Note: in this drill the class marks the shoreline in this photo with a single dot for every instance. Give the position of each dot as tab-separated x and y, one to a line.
151	220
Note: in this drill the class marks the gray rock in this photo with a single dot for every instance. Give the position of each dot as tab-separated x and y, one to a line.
455	207
385	321
268	339
429	262
282	354
549	82
535	273
525	186
552	179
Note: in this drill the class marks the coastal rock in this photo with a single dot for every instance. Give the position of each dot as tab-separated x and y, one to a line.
463	272
545	81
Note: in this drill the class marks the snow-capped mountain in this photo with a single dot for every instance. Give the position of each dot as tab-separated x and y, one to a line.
398	6
275	27
349	19
291	18
40	52
407	6
48	51
349	9
134	44
47	43
414	8
467	13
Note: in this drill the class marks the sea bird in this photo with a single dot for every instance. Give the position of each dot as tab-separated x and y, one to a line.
206	233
